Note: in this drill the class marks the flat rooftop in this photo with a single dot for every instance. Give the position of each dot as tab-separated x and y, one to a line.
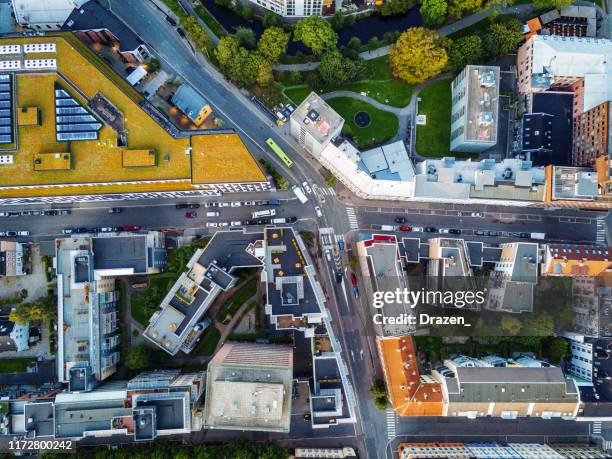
483	97
98	163
316	117
120	253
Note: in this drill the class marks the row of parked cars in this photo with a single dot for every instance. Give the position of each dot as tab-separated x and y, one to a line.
106	229
252	222
14	233
38	213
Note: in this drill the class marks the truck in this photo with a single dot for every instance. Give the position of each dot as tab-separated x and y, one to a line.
299	193
538	236
263	213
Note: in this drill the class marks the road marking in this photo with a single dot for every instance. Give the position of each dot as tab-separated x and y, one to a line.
331	191
596	428
352	217
391	423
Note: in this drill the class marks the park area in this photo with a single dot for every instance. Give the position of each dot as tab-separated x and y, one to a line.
433	139
382	126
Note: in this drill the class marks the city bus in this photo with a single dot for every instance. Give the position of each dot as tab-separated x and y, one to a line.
279	152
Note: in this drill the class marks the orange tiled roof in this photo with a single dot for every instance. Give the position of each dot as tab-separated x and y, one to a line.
408	395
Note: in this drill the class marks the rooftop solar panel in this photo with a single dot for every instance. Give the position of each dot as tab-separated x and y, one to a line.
69	110
65	136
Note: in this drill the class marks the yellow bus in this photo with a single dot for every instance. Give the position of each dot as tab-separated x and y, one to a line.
279	152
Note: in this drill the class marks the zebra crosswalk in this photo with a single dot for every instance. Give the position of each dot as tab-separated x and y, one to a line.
352	217
391	423
601	231
596	428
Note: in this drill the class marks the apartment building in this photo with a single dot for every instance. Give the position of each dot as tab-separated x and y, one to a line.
579	67
314	124
575	260
44	14
88	300
475	109
14	258
153	404
295	8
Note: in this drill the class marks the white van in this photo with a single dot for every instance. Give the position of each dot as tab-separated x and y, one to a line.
212	213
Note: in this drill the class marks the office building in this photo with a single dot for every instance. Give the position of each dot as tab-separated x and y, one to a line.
475	111
575	260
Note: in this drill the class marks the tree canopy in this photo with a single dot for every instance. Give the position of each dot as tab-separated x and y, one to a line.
503	37
316	33
273	43
335	68
434	12
464	51
138	357
418	54
458	8
40	309
396	7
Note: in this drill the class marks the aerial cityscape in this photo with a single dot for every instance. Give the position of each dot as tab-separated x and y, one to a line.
273	229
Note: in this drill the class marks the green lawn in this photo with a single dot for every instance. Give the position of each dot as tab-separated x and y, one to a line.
208	342
380	86
383	125
433	139
243	294
15	365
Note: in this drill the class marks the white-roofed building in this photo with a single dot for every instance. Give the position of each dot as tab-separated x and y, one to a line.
44	14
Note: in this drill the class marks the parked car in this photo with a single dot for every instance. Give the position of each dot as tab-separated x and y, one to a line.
318	211
108	229
480	233
493	233
170	20
211	204
182	206
236	223
211	224
338	277
64	212
223	224
25	213
307	187
51	212
236	204
443	231
417	229
291	219
476	214
11	233
400	220
404	228
2	233
38	213
250	203
115	210
524	235
262	221
224	204
191	214
130	228
4	214
429	229
81	230
454	231
181	32
67	231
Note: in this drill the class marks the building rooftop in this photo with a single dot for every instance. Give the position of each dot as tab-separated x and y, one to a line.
123	253
483	99
44	11
39	419
186	162
189	101
249	388
389	162
574	183
316	117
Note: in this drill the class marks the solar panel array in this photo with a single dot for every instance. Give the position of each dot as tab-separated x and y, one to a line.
6	108
10	49
38	47
36	64
72	120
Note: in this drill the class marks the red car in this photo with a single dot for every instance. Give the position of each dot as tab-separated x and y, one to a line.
191	214
130	228
404	228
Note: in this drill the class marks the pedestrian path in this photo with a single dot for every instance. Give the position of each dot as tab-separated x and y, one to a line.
352	217
601	231
391	422
596	428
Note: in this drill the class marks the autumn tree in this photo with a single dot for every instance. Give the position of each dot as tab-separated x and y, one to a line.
335	68
434	12
316	33
464	51
510	325
418	55
557	4
272	44
396	7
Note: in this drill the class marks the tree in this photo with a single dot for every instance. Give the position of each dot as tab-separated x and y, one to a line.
264	74
349	21
391	37
272	44
335	68
557	347
395	7
153	65
458	8
270	19
464	51
418	54
557	4
246	37
503	38
244	12
316	33
511	325
337	21
330	180
224	3
40	309
354	43
540	324
138	357
434	12
379	393
196	33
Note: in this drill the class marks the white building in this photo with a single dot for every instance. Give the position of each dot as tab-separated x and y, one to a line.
293	8
474	117
314	124
44	14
